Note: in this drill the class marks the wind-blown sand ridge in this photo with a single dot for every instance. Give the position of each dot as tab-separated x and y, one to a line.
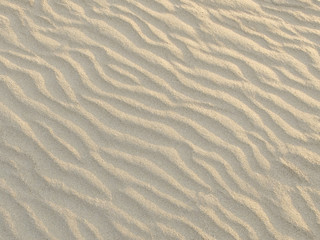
159	119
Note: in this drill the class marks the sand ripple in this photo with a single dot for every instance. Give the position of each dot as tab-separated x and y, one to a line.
159	119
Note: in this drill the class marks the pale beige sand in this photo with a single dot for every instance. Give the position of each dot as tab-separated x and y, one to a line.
159	119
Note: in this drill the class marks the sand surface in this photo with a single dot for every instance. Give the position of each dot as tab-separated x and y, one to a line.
159	119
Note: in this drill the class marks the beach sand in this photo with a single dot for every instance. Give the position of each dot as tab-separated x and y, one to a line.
159	119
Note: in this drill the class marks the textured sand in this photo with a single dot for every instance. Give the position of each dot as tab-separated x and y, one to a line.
159	119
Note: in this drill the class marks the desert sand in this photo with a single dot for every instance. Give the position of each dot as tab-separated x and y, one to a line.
159	119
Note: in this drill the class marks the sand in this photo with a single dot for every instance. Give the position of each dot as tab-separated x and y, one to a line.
159	119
